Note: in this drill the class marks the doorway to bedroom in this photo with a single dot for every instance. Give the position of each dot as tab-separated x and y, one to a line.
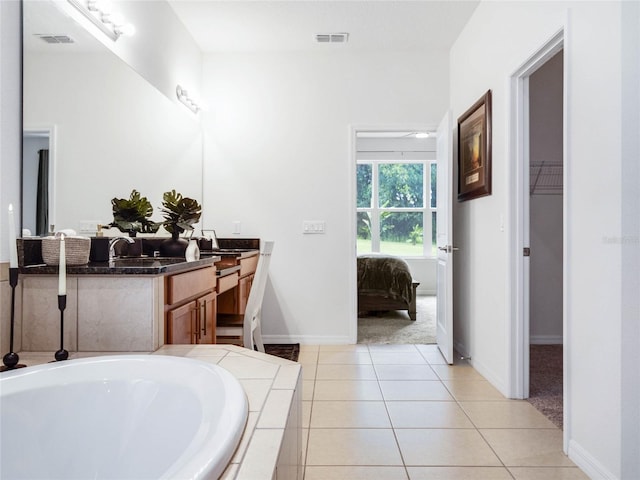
395	223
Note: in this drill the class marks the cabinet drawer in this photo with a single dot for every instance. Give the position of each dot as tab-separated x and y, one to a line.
227	282
248	265
188	284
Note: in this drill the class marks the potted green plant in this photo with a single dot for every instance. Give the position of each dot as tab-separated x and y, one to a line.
132	215
180	213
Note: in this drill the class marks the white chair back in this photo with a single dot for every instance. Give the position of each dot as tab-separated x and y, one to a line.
252	330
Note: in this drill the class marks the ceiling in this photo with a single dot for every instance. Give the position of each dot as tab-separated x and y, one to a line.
375	25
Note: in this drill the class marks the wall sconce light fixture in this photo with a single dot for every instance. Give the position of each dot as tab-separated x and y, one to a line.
184	98
99	13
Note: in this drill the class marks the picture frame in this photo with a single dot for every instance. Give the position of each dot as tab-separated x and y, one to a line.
474	150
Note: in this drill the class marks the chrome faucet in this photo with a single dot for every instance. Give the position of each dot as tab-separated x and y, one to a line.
112	245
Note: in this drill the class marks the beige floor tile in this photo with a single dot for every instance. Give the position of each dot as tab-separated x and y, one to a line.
305	442
309	348
405	372
473	390
306	414
511	414
309	371
397	358
427	415
345	372
347	390
355	473
450	447
308	387
414	390
349	415
308	357
352	446
344	358
382	348
528	447
449	372
434	358
344	348
458	473
427	348
548	473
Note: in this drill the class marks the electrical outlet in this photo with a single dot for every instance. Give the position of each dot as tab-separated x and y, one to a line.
89	226
313	226
236	227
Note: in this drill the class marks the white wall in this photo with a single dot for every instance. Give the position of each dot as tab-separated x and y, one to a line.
545	115
278	151
498	39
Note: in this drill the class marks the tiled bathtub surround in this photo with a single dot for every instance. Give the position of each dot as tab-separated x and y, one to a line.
273	434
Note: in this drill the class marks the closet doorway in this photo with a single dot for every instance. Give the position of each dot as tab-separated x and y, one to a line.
546	220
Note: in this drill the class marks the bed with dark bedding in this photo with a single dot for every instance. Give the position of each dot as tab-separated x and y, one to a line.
385	283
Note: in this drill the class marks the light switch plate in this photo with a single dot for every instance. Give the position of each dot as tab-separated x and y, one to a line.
313	226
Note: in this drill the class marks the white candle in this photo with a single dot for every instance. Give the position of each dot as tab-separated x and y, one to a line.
13	249
62	269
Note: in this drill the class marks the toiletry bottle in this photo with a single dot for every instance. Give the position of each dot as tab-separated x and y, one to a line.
193	251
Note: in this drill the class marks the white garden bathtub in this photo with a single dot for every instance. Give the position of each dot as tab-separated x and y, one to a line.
119	417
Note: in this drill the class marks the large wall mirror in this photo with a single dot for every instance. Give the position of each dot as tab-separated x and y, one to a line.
94	129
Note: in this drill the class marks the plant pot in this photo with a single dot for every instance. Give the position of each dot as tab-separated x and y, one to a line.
174	246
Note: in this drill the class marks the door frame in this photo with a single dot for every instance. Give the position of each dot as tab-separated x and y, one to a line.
49	132
518	361
352	270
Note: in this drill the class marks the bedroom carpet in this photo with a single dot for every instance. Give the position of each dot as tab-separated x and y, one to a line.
545	381
396	326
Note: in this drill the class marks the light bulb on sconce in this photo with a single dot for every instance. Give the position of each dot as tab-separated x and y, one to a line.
126	30
183	97
100	13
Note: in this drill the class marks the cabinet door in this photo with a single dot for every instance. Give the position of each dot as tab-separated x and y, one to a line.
244	287
181	324
207	318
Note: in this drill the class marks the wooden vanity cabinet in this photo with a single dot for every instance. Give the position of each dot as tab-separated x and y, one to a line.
190	307
235	301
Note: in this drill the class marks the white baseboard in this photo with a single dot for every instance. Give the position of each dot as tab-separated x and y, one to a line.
589	465
545	339
307	339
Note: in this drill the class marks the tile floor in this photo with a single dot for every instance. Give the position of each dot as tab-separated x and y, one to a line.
391	412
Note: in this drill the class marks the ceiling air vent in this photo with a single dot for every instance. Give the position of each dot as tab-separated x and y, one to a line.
56	38
332	37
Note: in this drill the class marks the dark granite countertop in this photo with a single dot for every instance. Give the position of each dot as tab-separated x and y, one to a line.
125	266
230	252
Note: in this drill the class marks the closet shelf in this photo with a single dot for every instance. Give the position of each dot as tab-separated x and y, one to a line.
545	178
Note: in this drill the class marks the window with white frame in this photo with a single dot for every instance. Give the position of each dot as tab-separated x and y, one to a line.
396	207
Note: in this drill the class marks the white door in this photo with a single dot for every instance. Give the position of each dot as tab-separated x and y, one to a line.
444	229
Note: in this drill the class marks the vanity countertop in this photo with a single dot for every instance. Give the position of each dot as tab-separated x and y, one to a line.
126	266
230	252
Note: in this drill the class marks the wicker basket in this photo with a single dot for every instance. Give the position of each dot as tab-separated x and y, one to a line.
76	250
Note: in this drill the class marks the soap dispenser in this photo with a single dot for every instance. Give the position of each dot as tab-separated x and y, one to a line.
193	251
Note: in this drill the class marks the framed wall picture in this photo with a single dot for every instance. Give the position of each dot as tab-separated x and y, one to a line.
474	150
